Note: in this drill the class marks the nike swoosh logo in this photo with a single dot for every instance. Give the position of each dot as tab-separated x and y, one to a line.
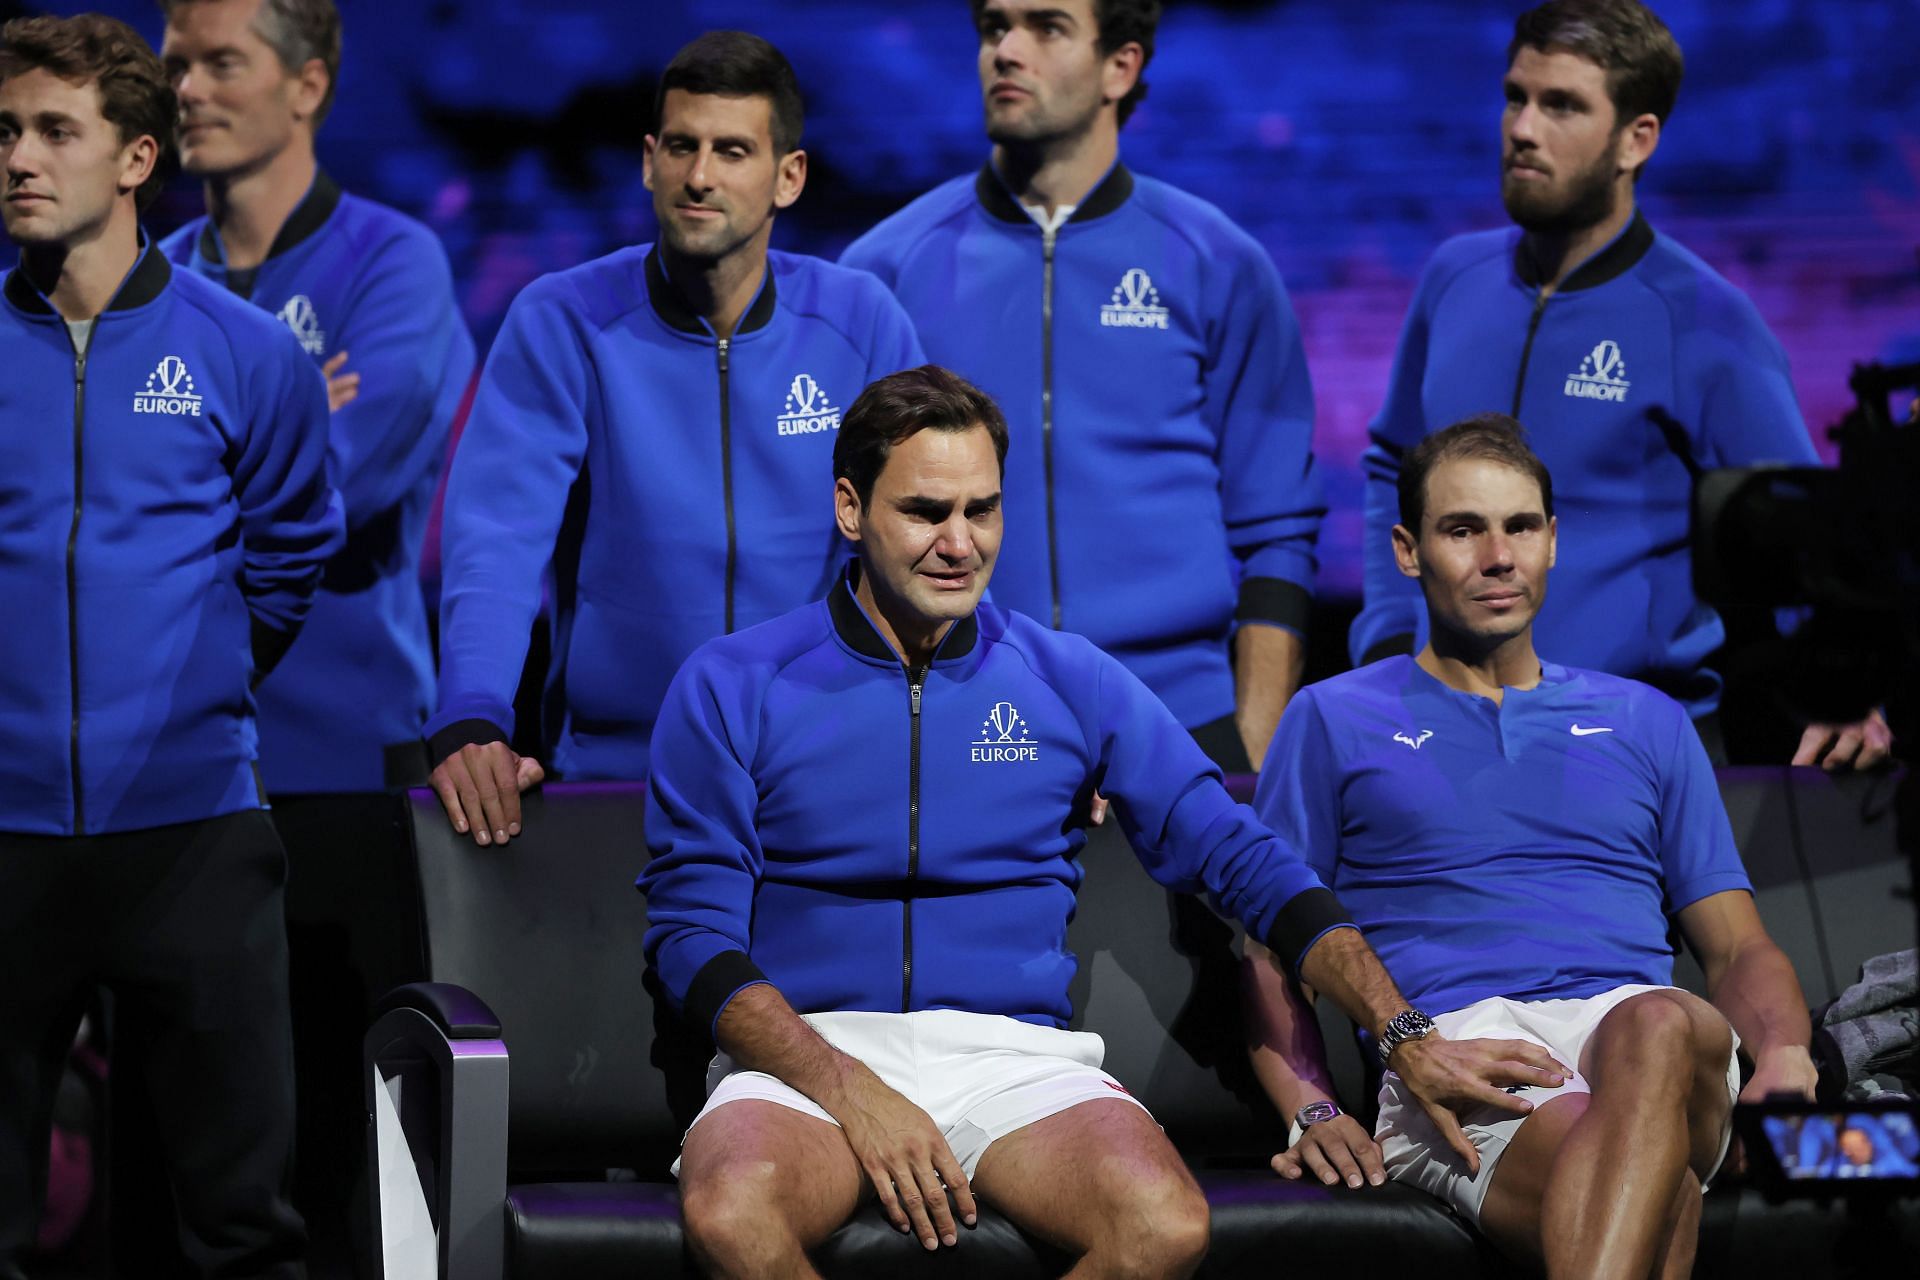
1578	732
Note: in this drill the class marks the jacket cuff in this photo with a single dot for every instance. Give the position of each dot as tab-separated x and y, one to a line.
718	982
1307	917
270	644
461	733
1390	647
1275	602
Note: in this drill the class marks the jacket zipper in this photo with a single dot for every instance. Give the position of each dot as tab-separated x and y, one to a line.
1046	412
73	574
726	472
1526	352
916	681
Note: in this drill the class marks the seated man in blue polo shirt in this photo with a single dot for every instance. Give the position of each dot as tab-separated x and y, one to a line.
1513	835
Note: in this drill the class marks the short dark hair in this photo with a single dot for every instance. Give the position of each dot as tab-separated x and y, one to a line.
737	64
298	31
135	97
1623	38
1492	436
901	404
1121	22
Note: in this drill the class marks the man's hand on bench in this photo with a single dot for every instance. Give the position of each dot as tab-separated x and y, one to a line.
1336	1150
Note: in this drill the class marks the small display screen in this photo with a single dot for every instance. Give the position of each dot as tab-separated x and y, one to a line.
1841	1145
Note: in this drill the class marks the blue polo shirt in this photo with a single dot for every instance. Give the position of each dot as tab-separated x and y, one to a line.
1531	848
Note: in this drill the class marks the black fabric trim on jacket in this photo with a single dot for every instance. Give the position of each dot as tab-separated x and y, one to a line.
462	733
1275	601
719	980
1101	201
1390	647
307	217
1610	263
671	307
148	279
851	622
1306	916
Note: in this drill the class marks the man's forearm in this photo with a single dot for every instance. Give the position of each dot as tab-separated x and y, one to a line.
760	1031
1283	1037
1343	967
1267	665
1761	996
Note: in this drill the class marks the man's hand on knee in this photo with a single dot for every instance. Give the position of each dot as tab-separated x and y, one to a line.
479	786
1336	1150
906	1158
1447	1076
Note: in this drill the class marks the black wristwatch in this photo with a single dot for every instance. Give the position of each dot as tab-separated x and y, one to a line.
1308	1116
1408	1024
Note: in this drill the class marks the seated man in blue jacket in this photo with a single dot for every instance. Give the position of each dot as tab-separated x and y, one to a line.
1514	834
864	817
648	423
166	516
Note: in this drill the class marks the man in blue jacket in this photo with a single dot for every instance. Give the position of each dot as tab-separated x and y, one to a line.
863	817
648	422
1515	836
162	470
361	287
1151	368
1633	363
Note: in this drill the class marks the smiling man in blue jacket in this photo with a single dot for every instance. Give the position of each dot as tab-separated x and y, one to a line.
864	822
167	514
651	422
369	294
1633	363
1151	368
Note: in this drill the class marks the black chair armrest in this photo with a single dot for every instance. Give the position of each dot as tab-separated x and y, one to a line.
456	1011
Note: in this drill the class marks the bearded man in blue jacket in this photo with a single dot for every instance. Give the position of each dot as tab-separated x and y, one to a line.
369	294
1633	363
166	516
864	819
1151	368
648	423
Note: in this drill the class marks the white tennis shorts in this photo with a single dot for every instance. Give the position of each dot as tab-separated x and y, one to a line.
1415	1152
979	1076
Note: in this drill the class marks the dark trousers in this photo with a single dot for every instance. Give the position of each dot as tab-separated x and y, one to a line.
186	926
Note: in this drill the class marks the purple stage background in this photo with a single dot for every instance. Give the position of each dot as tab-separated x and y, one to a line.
1350	139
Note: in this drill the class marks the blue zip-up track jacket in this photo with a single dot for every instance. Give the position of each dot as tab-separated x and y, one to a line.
683	477
164	515
349	275
1641	370
869	837
1160	481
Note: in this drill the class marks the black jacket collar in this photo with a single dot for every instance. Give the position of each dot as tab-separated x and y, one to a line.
671	307
308	217
1610	263
149	277
854	627
1101	201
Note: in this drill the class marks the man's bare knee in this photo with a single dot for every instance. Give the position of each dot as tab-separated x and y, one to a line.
1650	1031
732	1217
1161	1227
